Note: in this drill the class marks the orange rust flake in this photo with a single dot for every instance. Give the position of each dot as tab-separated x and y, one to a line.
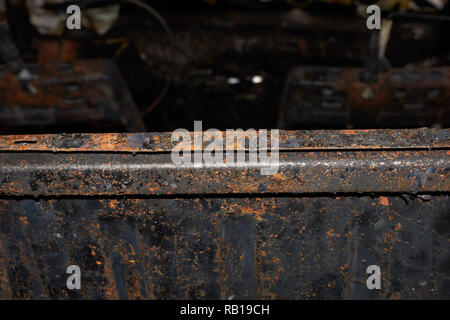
330	233
278	176
153	186
113	204
24	220
384	201
355	132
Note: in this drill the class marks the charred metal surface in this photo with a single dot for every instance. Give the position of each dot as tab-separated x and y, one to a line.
204	39
79	94
141	228
215	44
339	97
221	248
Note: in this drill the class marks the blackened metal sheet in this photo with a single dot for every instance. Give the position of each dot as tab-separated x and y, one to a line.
221	248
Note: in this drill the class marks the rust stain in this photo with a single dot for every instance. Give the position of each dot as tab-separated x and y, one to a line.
384	201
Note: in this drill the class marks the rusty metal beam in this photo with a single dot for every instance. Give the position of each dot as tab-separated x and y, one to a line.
332	162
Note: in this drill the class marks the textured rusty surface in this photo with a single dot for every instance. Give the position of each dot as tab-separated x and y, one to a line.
217	248
78	94
140	228
338	97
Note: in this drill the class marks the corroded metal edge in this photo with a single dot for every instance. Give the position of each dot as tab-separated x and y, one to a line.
380	139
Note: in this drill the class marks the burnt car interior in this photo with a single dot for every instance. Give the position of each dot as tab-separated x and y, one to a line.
86	177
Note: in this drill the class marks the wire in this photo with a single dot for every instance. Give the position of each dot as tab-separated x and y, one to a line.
156	15
169	33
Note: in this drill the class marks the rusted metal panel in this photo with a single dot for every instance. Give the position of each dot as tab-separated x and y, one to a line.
221	248
340	97
109	204
84	94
